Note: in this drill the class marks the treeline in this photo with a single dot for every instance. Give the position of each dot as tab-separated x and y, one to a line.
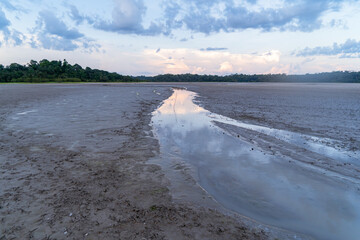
56	71
62	71
333	77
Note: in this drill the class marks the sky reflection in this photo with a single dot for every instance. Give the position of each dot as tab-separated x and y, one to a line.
247	180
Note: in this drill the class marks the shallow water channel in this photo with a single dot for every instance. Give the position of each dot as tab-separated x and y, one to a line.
242	177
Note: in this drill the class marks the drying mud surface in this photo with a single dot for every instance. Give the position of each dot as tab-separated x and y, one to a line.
74	165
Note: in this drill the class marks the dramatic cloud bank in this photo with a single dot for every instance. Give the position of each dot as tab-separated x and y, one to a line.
180	36
212	16
291	15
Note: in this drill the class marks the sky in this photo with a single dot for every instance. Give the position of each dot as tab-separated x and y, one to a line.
150	37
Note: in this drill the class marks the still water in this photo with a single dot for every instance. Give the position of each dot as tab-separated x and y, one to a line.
244	178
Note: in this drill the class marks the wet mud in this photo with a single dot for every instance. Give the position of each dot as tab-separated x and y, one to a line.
74	164
264	173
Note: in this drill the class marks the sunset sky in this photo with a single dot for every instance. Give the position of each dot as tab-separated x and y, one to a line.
143	37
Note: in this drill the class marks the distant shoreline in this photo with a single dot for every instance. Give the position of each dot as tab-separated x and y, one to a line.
142	82
47	71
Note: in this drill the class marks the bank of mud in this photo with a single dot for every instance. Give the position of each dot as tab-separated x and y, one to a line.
74	165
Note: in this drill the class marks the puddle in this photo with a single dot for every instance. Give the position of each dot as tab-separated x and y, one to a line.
318	145
264	187
27	112
36	149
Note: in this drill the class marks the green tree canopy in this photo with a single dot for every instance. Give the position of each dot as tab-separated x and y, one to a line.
56	71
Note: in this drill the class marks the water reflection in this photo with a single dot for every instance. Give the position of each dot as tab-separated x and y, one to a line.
245	179
322	146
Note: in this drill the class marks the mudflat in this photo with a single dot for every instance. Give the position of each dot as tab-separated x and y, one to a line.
74	164
328	111
143	161
266	166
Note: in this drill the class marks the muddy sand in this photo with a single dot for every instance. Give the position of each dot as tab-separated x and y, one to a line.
302	181
327	111
92	161
74	165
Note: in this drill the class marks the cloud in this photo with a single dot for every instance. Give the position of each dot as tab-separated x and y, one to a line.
226	67
212	16
184	60
53	33
349	49
4	22
75	15
171	10
302	15
17	38
56	42
7	5
127	18
10	36
53	25
213	49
